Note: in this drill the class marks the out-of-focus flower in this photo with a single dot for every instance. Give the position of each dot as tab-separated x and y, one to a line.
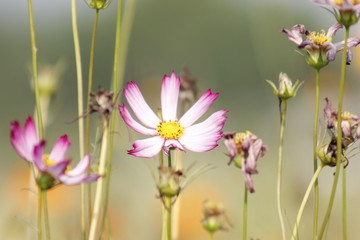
170	181
188	88
244	149
53	168
214	217
350	126
169	132
318	45
102	102
346	12
286	89
98	4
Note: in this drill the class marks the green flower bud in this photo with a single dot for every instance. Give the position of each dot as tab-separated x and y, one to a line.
286	89
347	18
45	181
211	224
169	183
98	4
326	155
317	60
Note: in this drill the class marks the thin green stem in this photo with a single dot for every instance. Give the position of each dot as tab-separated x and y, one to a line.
46	214
100	182
39	119
169	159
344	211
113	120
278	192
315	138
245	213
80	109
339	155
164	222
169	216
39	217
304	201
211	236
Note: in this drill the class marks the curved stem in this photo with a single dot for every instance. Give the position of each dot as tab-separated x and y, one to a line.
115	90
278	192
39	119
46	213
304	201
245	212
315	137
339	155
99	183
39	217
79	78
344	216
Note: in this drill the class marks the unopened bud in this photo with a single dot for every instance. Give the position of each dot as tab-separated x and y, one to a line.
286	89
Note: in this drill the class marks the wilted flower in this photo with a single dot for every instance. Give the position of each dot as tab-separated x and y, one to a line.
169	132
188	88
347	12
102	102
214	217
285	90
170	181
98	4
319	45
244	149
54	168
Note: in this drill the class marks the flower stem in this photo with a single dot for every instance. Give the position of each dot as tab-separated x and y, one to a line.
344	216
39	217
211	236
100	182
169	215
304	201
245	213
177	204
46	214
339	156
39	119
80	109
315	137
278	192
115	90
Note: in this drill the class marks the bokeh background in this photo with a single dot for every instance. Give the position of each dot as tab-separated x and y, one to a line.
230	46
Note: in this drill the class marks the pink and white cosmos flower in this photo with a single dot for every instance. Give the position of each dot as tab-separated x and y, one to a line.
26	143
169	132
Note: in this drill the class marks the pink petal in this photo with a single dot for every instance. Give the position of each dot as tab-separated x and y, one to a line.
74	180
199	108
38	156
18	142
148	147
133	124
59	149
82	166
172	143
30	133
201	143
169	97
139	106
212	124
58	169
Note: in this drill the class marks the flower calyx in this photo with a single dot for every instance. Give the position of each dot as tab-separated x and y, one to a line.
286	89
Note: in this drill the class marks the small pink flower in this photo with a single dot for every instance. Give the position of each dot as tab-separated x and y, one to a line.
169	132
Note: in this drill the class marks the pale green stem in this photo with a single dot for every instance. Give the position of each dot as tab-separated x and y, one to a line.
168	202
164	222
113	120
344	216
39	217
34	71
278	192
339	155
80	109
90	83
245	213
100	182
315	137
177	204
211	236
304	201
46	214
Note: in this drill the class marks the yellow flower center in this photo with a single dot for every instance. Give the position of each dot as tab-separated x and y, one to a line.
341	2
170	130
47	161
319	38
239	139
347	116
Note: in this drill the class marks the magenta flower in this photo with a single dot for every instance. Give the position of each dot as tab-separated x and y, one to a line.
319	45
244	149
54	168
169	132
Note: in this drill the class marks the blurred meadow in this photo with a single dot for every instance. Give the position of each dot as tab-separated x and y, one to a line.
230	46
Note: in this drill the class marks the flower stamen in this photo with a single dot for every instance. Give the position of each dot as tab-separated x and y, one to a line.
47	161
319	38
170	130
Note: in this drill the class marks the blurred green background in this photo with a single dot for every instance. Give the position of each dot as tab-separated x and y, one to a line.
230	46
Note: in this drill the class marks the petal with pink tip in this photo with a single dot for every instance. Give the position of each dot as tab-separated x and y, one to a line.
74	180
60	148
201	143
18	142
30	133
141	109
199	108
81	168
148	147
212	124
58	169
172	143
133	124
169	97
38	156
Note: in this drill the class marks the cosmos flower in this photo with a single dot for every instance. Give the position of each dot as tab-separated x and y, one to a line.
319	45
244	149
347	12
169	132
53	168
286	88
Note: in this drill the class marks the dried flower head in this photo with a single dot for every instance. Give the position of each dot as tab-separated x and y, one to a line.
286	89
102	102
188	87
244	149
214	217
170	181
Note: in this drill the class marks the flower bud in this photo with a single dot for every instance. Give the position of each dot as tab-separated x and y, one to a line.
98	4
327	154
347	18
45	181
214	217
169	183
286	89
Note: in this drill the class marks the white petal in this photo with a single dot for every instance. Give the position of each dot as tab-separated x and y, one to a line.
148	147
133	124
59	149
169	97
